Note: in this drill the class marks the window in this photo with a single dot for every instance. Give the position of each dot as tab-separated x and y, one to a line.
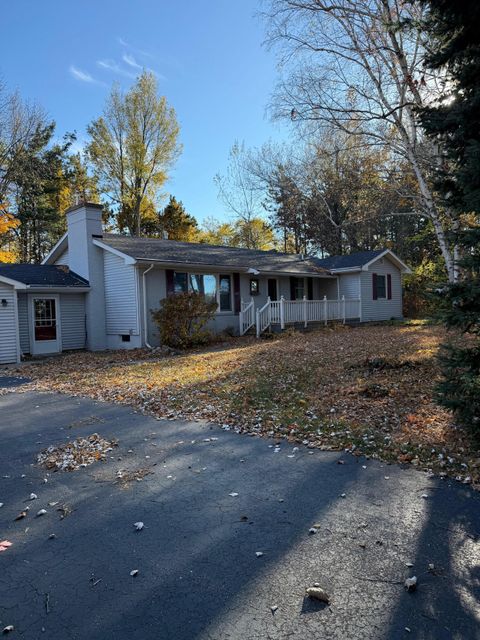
225	288
45	322
214	288
381	287
298	288
180	282
254	286
205	285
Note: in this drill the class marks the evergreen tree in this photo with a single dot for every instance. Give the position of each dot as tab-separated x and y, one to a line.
454	31
175	223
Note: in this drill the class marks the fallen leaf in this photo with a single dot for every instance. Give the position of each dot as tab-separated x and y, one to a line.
317	593
138	526
411	583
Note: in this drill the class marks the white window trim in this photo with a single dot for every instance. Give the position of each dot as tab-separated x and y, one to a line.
379	297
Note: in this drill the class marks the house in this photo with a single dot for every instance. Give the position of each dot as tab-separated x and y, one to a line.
96	290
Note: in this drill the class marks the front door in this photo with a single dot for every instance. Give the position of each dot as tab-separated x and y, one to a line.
46	325
272	288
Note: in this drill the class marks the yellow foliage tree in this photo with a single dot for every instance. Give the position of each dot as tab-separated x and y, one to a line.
7	224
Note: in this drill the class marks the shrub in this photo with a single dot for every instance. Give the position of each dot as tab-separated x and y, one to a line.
182	320
418	302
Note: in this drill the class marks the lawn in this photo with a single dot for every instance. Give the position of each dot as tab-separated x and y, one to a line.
367	389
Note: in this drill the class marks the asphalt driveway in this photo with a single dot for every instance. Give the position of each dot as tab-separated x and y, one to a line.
199	573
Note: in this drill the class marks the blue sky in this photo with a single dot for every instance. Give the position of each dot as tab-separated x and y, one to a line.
209	59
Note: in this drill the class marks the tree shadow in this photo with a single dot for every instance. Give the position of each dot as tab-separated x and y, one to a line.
445	604
199	576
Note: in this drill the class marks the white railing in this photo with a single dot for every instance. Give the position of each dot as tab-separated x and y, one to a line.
285	312
246	316
263	317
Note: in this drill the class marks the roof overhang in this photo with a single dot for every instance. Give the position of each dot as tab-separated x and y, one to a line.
40	288
106	247
164	264
57	250
346	270
392	257
13	283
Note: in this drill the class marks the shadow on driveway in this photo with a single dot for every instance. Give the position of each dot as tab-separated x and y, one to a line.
199	575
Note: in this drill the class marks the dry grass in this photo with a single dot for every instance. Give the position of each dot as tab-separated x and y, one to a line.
368	389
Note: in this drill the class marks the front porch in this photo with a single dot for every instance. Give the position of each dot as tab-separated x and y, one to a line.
288	312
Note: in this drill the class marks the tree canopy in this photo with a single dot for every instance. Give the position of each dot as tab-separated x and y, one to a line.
131	148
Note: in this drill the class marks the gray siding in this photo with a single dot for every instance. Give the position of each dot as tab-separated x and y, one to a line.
120	296
349	285
8	325
63	258
381	309
72	320
23	323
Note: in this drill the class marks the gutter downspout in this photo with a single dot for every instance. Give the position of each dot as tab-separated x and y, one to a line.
145	323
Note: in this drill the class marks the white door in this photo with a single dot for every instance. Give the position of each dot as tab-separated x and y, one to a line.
46	325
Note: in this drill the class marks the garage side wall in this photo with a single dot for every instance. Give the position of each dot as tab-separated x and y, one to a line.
8	325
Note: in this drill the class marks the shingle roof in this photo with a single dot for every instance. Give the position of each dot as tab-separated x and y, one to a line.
213	255
42	275
350	261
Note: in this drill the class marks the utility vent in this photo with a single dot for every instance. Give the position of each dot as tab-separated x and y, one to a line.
125	337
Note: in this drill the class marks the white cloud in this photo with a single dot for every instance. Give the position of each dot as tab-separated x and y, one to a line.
130	60
114	67
139	52
83	76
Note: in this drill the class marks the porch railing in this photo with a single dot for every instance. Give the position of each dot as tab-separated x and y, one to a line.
283	312
263	317
247	316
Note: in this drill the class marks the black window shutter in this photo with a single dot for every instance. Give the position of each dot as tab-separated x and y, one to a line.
389	286
374	286
310	288
170	285
236	292
293	283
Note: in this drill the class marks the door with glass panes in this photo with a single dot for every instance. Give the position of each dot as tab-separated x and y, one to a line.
45	314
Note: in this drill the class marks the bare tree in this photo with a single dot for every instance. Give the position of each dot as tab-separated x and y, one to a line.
19	124
354	66
240	192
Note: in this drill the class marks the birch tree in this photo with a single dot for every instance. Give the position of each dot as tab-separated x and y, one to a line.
358	66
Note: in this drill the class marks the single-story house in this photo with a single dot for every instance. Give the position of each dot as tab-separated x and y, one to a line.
96	290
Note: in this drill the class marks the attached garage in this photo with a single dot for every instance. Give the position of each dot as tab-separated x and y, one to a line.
42	310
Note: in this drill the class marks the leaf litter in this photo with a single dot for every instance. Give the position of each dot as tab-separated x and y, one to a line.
76	454
367	390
